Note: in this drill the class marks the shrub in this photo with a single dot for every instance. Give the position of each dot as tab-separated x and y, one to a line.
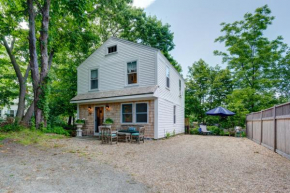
194	131
109	121
244	134
56	130
173	133
9	127
167	135
80	121
214	129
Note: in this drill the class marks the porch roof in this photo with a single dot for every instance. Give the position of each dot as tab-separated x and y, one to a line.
131	91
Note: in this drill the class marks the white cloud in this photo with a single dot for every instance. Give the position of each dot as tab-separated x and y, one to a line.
142	3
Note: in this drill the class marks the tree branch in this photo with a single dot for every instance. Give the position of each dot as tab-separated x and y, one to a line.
27	72
12	59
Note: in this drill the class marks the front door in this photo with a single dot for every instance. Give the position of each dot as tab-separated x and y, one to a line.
99	118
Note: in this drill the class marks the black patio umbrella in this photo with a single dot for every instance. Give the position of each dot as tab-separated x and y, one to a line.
220	111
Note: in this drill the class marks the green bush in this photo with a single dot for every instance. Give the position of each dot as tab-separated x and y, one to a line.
244	134
11	127
214	129
194	131
56	130
109	121
80	121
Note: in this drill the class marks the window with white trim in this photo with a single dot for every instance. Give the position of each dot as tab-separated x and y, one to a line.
127	113
132	72
141	112
112	49
179	87
174	114
0	112
167	77
94	79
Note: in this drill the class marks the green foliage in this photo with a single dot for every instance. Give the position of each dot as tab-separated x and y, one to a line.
80	121
56	130
28	136
214	129
109	121
253	59
167	135
194	131
11	127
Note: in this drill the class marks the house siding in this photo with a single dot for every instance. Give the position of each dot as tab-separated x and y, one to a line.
114	113
168	98
112	67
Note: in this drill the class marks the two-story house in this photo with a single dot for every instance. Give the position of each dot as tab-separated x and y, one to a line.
132	84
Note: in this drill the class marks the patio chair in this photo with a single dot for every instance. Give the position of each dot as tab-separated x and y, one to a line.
139	136
107	135
204	130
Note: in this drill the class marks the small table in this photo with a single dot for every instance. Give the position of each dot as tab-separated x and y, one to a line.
125	135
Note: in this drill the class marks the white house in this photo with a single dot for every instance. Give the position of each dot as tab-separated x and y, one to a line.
132	84
9	110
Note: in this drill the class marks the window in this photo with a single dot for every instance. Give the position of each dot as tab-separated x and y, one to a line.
167	77
94	79
127	113
141	113
179	87
132	72
174	114
0	112
112	49
11	113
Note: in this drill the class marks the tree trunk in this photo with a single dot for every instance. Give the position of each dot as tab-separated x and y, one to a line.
38	80
69	120
28	114
21	101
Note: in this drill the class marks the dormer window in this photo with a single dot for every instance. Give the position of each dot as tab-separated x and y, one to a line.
112	49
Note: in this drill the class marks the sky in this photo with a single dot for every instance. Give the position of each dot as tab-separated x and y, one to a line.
196	24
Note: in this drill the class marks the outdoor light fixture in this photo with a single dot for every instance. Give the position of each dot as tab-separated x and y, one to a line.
90	110
107	107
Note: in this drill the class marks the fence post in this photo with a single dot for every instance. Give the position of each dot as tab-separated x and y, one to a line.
252	126
261	139
275	129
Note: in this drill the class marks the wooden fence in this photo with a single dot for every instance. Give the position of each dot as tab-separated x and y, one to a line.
271	128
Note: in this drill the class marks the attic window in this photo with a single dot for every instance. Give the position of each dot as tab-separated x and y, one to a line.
112	49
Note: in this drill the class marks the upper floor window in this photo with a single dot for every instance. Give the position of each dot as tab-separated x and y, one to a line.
179	87
167	77
112	49
94	79
141	113
127	113
174	114
132	72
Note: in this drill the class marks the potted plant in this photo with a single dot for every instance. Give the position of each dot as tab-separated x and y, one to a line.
108	121
80	123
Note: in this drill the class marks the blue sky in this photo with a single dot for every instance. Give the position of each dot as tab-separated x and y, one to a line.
196	24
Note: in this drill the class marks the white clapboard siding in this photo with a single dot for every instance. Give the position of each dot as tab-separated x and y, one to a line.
167	98
112	67
165	118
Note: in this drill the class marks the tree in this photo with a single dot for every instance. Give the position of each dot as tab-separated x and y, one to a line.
12	39
253	59
197	88
120	19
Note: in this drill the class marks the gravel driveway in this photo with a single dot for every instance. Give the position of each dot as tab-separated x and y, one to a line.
185	163
30	169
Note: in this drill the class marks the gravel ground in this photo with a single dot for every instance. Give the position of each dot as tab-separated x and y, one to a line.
37	169
184	163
